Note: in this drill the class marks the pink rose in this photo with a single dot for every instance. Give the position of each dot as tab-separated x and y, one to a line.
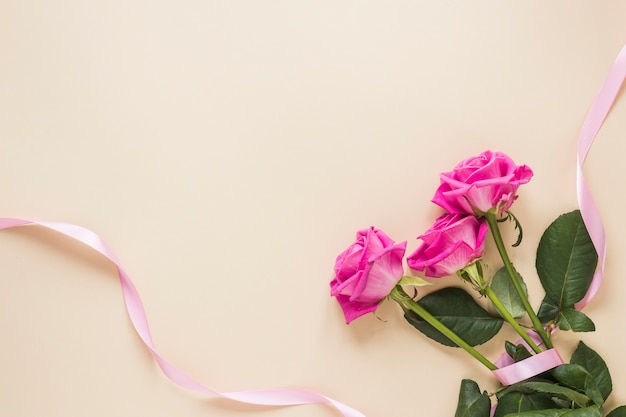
452	243
366	272
484	183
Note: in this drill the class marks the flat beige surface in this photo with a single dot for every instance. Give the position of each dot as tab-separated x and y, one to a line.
228	151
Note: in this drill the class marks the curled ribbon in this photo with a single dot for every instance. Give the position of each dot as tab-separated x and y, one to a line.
515	372
137	314
595	118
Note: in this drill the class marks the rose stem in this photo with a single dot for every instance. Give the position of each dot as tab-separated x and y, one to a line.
510	319
497	237
398	295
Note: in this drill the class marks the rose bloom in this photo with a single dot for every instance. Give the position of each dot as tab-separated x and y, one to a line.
487	182
453	242
366	272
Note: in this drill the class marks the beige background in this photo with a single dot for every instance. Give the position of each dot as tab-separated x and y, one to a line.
228	151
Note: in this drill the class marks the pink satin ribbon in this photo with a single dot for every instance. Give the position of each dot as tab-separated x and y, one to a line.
137	314
530	367
511	373
595	118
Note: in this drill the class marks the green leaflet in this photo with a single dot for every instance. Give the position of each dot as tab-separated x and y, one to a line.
618	412
595	365
576	377
550	388
505	290
559	391
592	411
548	311
572	319
472	403
566	260
516	352
518	402
457	310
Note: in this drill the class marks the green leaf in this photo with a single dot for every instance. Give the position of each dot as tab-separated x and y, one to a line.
571	375
593	392
562	403
574	320
510	348
518	402
516	352
548	311
566	260
505	290
592	411
458	311
414	281
576	377
618	412
549	388
595	365
472	403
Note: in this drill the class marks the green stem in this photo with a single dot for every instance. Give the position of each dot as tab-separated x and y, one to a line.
497	237
406	302
510	319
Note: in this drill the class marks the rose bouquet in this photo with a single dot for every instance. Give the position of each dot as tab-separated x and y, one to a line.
476	197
